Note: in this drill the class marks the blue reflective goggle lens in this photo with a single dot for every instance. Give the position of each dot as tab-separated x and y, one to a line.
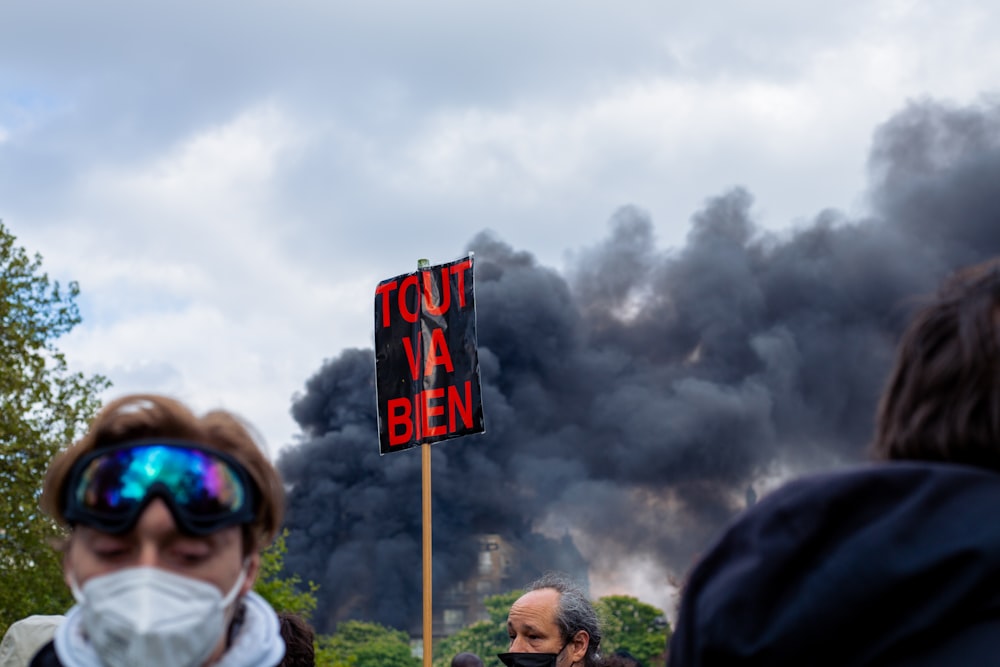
204	489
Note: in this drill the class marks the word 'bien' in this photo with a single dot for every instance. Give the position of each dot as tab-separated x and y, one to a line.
430	413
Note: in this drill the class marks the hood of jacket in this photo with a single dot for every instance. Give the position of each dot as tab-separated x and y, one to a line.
887	564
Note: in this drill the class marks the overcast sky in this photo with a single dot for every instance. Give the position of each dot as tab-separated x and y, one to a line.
228	181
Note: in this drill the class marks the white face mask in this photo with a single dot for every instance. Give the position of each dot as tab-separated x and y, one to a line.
148	616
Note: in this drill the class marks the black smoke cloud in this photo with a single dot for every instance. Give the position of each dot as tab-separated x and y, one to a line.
633	400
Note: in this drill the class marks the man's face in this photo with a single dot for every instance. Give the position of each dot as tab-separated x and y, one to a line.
156	541
531	623
532	628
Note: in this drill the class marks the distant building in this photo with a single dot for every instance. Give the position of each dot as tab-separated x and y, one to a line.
504	565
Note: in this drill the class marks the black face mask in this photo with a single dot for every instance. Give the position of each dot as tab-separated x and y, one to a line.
530	659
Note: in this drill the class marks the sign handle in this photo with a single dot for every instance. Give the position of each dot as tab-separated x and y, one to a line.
425	467
425	450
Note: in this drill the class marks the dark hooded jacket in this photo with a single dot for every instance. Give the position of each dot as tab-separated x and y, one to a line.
888	564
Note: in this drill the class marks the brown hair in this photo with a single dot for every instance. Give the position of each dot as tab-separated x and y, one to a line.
942	401
152	416
299	636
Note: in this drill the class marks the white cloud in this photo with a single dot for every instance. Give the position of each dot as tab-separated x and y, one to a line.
189	288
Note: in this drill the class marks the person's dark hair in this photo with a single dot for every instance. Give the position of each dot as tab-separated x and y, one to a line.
466	660
622	658
300	651
574	613
942	401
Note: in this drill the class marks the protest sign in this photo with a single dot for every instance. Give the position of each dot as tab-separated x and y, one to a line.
426	357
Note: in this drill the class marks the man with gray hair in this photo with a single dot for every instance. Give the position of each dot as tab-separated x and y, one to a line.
552	625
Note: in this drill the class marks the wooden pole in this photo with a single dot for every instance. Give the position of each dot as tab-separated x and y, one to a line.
428	606
425	455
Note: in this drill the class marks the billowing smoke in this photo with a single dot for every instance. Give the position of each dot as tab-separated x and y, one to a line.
635	402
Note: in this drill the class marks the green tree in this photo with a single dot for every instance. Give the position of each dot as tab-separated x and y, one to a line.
363	644
640	628
284	594
485	638
43	407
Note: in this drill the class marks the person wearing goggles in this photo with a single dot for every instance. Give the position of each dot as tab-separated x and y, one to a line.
167	513
552	625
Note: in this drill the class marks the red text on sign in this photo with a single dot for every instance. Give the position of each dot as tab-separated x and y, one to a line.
434	412
426	292
438	355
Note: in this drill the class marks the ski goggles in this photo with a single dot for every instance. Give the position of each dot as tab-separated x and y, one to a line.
206	490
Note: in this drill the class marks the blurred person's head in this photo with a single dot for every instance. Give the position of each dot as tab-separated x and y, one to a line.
466	660
942	400
622	658
299	636
167	514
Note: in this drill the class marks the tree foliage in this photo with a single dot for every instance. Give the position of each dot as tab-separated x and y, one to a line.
485	638
283	593
43	407
362	644
355	644
635	626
